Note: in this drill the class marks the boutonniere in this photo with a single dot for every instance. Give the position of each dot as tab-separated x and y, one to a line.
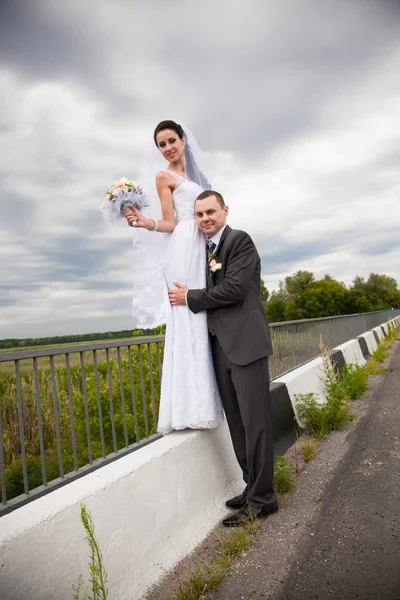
214	263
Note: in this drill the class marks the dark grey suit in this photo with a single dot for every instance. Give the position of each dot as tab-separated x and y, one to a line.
241	343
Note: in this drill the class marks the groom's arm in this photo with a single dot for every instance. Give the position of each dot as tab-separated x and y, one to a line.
241	264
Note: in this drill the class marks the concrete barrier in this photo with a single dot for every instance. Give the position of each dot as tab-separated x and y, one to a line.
150	509
364	347
352	352
370	341
303	380
283	418
378	333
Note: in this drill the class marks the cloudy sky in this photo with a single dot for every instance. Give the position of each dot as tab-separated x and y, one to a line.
297	104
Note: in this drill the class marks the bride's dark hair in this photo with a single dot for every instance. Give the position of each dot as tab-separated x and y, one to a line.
168	125
192	170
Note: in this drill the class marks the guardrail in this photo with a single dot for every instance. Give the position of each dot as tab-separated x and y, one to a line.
68	410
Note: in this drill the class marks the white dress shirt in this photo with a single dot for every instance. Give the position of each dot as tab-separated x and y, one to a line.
216	238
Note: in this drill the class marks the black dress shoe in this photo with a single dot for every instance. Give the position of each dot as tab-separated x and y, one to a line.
247	514
238	501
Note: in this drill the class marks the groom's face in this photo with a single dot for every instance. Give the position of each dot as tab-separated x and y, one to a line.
210	215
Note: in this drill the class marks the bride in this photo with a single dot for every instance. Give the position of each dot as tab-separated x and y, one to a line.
189	392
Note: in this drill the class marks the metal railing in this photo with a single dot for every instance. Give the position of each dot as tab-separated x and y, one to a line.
297	342
65	411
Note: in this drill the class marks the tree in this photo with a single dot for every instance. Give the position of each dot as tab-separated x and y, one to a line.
275	309
293	312
357	301
298	282
359	283
323	299
393	299
280	293
381	285
264	291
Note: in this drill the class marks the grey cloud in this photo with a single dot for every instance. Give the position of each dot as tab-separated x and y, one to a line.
247	82
42	42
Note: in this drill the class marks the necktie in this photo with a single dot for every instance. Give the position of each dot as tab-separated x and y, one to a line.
211	245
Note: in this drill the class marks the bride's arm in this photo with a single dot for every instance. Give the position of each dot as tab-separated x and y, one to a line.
167	223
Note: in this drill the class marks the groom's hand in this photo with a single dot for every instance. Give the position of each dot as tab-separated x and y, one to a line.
178	297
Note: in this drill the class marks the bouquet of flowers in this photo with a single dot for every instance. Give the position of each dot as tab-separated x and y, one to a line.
120	196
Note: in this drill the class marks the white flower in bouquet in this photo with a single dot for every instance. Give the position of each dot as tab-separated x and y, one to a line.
128	190
121	195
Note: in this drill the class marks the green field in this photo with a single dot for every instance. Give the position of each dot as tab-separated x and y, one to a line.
136	401
58	345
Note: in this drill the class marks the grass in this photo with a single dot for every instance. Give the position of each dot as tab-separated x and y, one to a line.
321	418
374	366
354	379
341	388
284	476
233	543
207	578
61	345
119	418
98	575
43	362
309	449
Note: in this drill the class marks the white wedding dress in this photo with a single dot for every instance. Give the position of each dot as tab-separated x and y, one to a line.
189	392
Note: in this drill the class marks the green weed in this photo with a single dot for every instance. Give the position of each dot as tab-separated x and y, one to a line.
379	355
284	477
309	448
98	575
321	418
354	379
207	578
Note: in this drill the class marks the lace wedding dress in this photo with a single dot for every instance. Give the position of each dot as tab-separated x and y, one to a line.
189	392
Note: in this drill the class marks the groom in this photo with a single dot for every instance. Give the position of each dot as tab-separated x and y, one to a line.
241	344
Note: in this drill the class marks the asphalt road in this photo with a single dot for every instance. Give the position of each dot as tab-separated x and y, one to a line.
338	535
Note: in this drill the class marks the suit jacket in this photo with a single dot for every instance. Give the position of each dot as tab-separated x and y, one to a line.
236	314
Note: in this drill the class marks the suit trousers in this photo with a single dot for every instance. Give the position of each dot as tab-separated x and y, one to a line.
246	400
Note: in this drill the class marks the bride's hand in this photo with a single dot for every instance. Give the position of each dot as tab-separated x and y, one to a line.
135	217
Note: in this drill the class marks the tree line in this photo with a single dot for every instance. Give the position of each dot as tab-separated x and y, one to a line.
301	296
59	340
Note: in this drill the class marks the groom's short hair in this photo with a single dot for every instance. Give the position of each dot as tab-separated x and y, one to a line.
209	193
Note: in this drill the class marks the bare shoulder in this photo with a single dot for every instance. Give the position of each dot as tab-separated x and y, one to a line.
165	179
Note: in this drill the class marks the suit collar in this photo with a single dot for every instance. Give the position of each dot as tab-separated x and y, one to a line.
216	238
224	235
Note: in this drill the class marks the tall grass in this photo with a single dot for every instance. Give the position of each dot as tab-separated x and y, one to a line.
335	412
99	410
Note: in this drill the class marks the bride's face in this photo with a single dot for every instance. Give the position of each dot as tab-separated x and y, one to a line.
170	145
